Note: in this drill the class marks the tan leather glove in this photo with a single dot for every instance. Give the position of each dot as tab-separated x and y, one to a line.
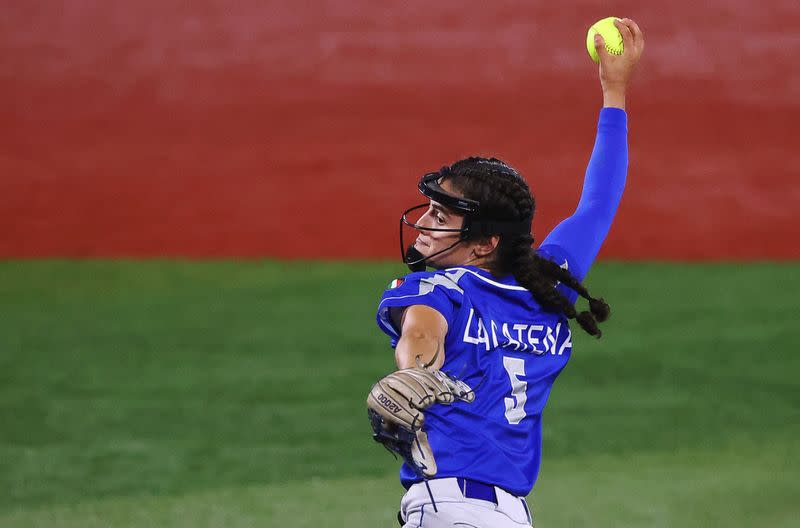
395	406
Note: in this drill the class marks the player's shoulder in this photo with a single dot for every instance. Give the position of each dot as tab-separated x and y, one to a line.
562	259
558	255
551	252
425	281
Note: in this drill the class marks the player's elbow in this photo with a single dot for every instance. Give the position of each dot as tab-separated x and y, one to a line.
418	334
419	346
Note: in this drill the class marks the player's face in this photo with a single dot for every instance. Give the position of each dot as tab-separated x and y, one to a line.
430	242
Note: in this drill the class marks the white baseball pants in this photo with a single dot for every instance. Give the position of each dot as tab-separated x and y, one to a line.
454	509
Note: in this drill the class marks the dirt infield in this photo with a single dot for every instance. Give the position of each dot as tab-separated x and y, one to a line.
274	129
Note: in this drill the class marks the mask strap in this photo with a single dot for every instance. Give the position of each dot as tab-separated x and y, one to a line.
420	261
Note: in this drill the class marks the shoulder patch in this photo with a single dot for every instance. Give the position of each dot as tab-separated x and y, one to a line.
395	284
448	280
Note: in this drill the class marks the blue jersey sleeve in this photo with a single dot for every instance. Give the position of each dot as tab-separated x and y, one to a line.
432	289
580	236
557	255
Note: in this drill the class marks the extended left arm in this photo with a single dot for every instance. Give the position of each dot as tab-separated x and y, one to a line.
396	403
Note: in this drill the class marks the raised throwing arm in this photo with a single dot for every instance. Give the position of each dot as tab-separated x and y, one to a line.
581	235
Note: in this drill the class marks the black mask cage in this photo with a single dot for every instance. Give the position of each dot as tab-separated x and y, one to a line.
474	224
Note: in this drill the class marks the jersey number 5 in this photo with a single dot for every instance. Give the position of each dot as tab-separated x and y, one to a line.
515	405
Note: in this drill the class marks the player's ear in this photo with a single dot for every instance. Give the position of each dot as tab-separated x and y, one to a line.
486	245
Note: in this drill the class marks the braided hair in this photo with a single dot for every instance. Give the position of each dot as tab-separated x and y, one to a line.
505	196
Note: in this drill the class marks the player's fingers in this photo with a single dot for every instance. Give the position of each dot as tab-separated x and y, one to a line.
456	389
625	31
638	35
600	45
460	390
405	384
433	386
467	396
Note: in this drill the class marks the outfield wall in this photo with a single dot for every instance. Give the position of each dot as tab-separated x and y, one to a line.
214	129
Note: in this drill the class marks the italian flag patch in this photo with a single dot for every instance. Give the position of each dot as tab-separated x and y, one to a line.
395	284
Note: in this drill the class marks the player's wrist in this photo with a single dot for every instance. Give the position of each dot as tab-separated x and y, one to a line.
613	98
614	85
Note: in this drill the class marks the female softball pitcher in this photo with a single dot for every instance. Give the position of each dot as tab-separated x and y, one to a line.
480	340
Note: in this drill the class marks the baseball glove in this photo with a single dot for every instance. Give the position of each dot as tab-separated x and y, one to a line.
395	406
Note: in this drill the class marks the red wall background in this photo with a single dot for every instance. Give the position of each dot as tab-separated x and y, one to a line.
212	128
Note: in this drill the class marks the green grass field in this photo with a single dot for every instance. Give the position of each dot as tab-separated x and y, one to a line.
231	394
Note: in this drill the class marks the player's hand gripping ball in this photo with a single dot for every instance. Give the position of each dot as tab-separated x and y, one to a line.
611	36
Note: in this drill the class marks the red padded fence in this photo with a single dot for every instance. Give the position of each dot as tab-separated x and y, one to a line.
287	129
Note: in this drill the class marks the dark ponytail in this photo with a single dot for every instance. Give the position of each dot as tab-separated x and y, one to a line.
504	195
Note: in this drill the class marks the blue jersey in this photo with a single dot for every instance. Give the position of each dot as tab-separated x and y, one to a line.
502	343
505	346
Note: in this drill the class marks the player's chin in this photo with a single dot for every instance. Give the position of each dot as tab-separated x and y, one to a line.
422	241
422	248
435	261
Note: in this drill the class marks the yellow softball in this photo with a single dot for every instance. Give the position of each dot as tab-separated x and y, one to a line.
610	34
